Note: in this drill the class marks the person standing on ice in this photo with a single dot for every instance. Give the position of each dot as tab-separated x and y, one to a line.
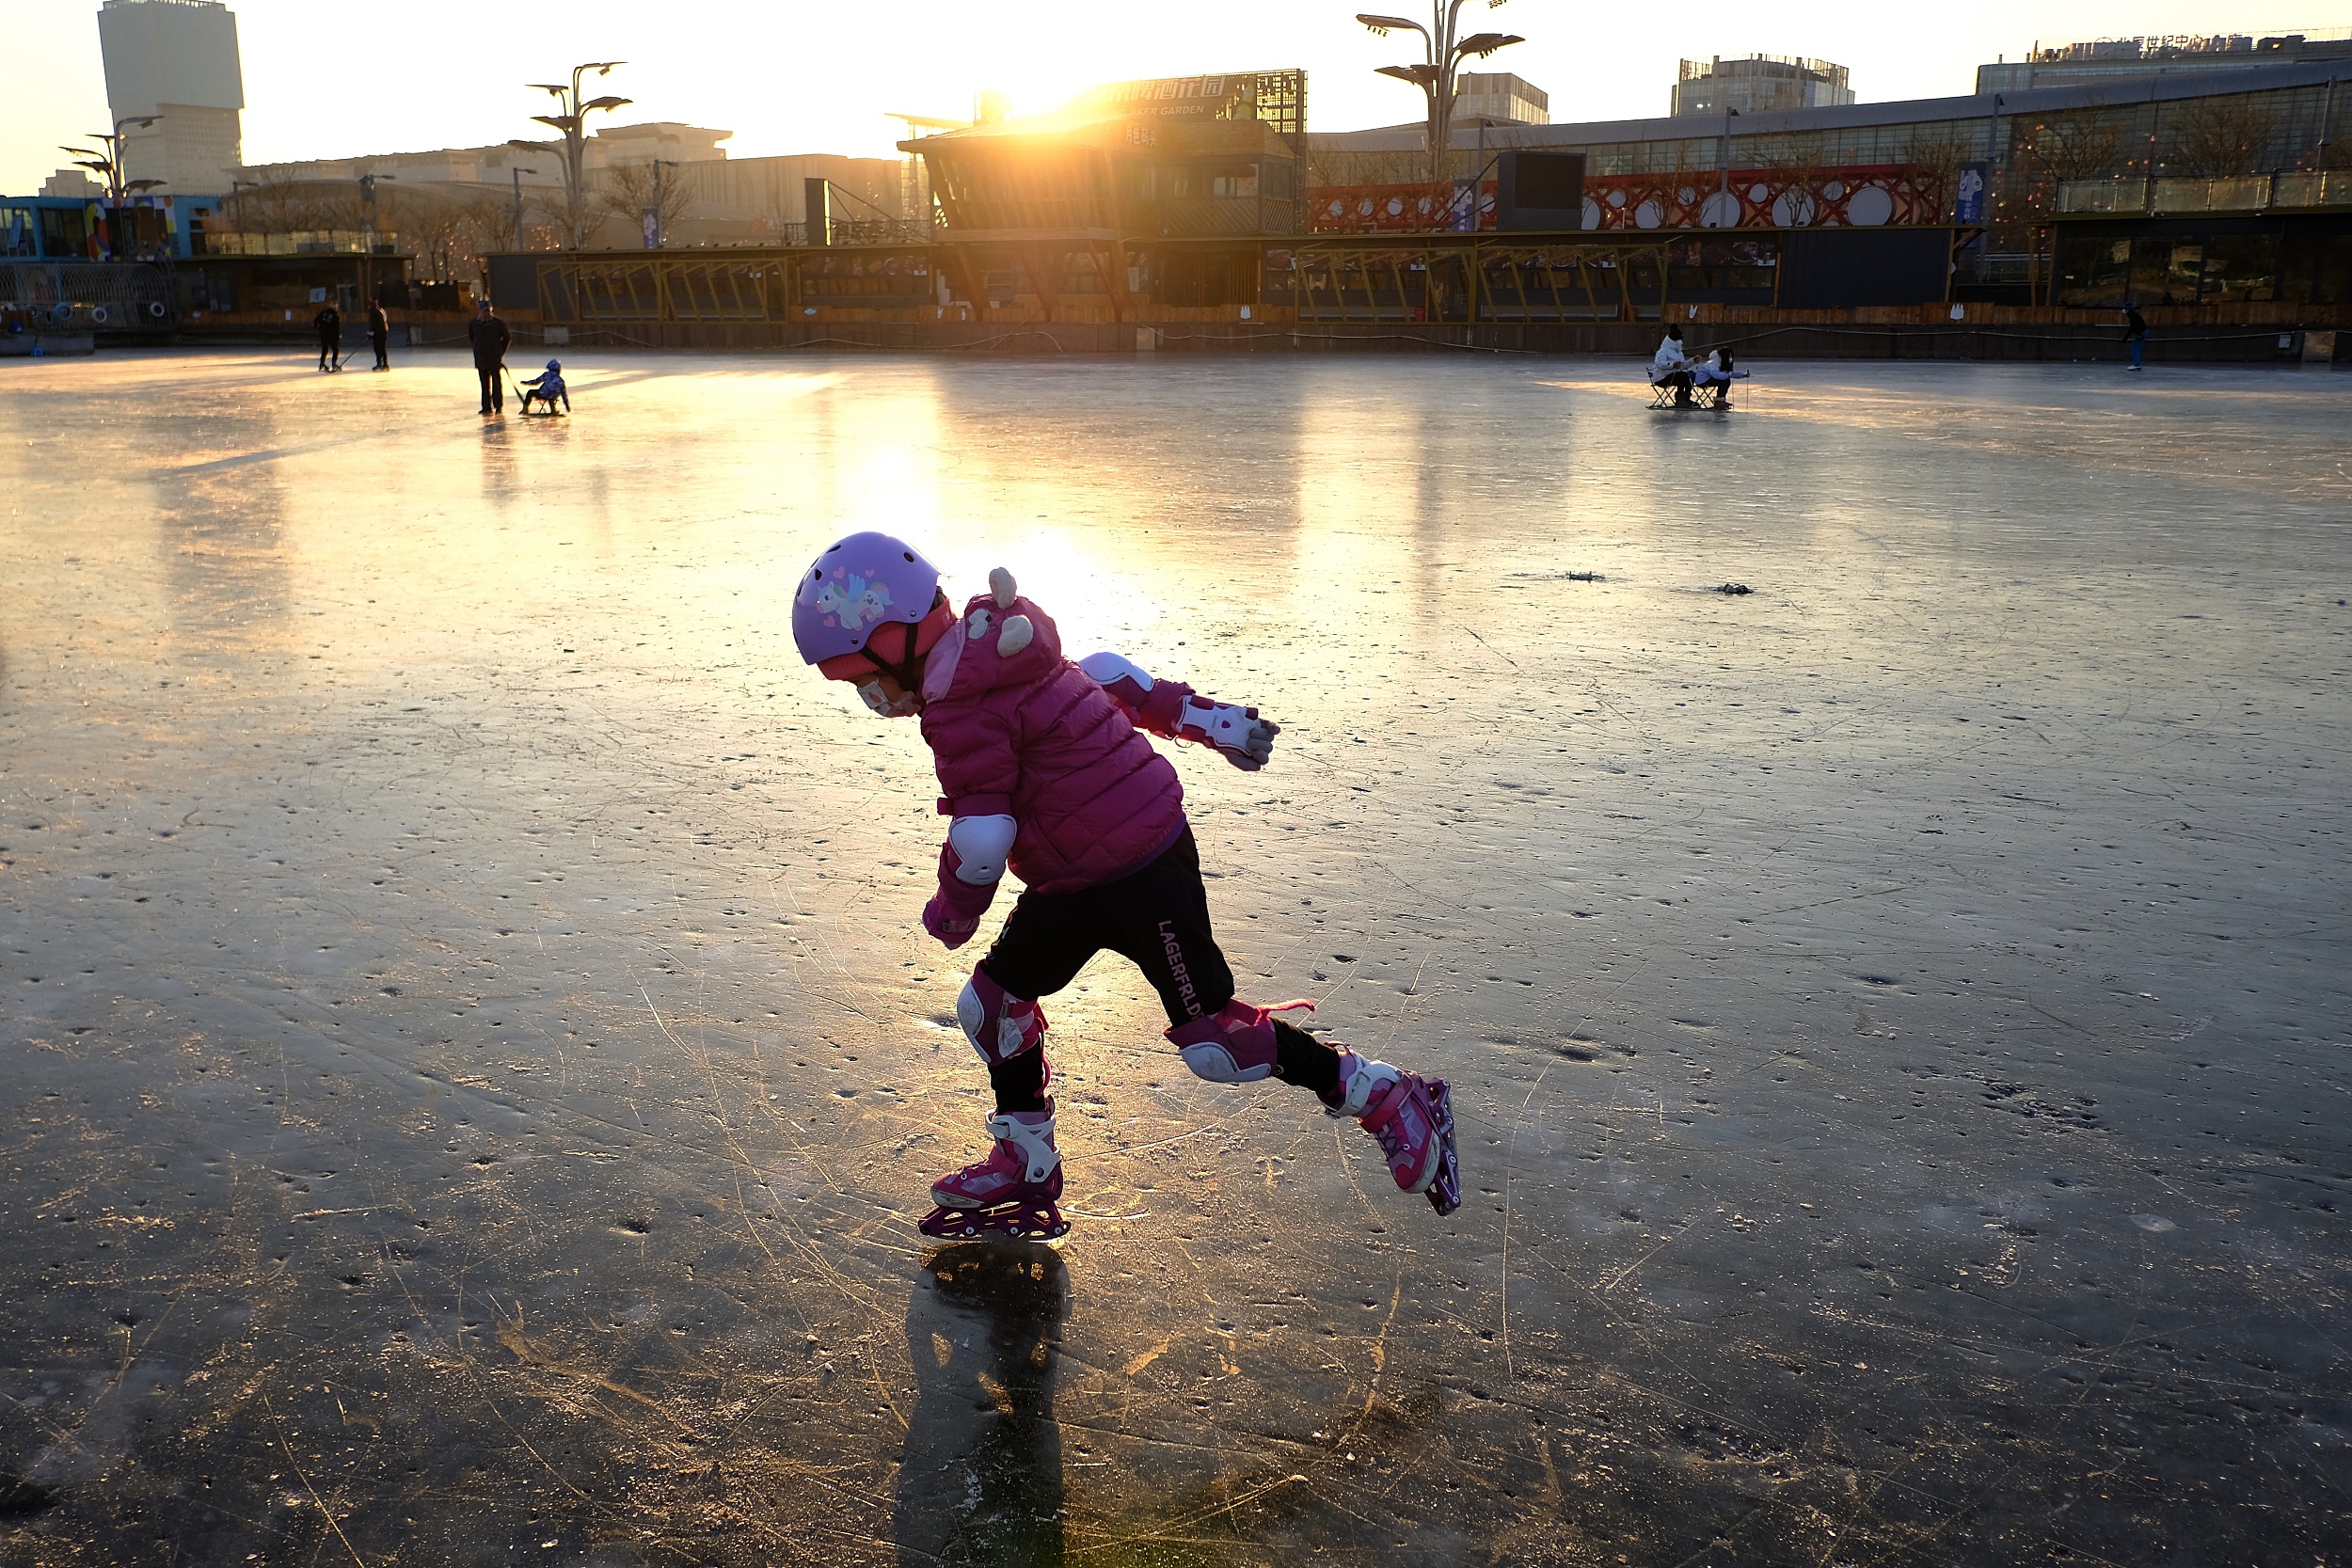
329	325
1046	772
490	337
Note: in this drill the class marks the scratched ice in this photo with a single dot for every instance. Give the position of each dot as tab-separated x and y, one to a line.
472	1066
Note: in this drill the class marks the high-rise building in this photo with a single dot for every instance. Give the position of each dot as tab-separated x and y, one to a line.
1758	84
176	60
1499	99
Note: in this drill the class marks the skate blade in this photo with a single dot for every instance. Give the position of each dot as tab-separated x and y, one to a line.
1015	1222
1445	1186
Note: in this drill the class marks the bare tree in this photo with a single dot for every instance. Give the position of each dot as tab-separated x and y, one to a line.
256	208
2217	138
280	206
2081	145
1344	167
627	190
1938	153
450	224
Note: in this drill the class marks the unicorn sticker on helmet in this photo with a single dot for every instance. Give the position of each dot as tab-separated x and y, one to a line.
851	601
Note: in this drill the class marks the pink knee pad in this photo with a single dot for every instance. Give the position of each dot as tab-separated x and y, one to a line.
1233	1045
999	1024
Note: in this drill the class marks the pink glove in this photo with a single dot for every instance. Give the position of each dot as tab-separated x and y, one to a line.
954	912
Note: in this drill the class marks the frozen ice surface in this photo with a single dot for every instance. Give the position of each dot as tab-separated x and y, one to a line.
472	1066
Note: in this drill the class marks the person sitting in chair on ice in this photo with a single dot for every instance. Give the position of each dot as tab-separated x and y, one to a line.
1671	367
547	386
1717	370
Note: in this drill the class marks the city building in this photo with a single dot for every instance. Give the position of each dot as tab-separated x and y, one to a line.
607	146
72	226
176	60
709	197
1758	84
1188	156
2100	61
1498	98
2238	179
2292	117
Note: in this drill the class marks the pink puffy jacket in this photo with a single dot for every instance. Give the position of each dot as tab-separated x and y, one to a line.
1030	735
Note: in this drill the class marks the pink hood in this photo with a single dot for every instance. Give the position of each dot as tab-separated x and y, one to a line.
1028	735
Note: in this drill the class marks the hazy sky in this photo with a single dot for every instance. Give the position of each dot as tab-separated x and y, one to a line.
793	76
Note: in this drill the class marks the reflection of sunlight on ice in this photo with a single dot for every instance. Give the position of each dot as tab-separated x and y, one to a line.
1356	501
1096	597
880	466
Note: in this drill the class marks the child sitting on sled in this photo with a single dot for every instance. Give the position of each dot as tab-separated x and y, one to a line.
547	386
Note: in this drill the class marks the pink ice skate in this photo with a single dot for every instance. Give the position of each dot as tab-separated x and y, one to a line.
1012	1193
1412	1118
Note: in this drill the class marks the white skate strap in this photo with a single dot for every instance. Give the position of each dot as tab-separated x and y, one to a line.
1034	1139
1359	1083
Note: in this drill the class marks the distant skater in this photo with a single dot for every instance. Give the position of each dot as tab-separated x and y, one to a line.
2135	332
380	335
489	338
329	322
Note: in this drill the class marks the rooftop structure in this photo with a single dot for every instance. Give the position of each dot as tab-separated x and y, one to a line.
608	146
2302	118
2100	60
177	60
1498	98
1758	84
1190	155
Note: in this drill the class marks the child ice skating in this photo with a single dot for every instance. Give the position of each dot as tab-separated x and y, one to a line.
1045	772
547	386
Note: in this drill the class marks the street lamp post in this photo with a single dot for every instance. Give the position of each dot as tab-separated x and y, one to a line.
108	164
367	233
571	121
1442	53
518	172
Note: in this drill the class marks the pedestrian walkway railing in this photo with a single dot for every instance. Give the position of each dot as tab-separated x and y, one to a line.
304	241
2250	192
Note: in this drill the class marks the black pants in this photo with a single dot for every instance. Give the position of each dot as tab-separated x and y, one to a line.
330	349
493	387
383	342
1157	919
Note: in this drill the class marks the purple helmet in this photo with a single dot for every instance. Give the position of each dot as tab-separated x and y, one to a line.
856	585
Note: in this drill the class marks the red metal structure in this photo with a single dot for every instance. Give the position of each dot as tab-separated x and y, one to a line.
1868	196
